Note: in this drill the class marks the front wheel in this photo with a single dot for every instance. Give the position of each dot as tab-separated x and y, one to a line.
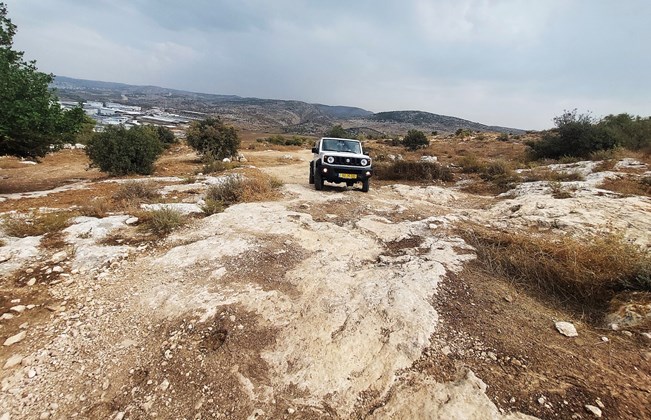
311	175
318	181
365	185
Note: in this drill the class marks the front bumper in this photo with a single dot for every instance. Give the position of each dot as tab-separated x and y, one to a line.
336	173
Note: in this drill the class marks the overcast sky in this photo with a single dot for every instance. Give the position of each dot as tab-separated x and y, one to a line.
515	63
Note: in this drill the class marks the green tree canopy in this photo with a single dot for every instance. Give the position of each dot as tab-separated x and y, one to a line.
213	139
31	120
415	139
575	135
337	131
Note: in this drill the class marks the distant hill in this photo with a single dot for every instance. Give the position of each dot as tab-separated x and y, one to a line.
436	122
265	114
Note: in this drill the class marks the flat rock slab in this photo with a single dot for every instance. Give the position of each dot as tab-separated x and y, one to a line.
15	338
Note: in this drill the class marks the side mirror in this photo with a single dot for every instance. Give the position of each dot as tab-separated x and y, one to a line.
315	150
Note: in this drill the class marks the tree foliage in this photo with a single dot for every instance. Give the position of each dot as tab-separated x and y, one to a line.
633	133
213	139
575	135
337	131
31	120
415	139
119	151
166	136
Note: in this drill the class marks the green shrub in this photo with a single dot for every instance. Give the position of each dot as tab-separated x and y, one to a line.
415	139
633	133
337	131
463	133
575	135
279	140
166	136
213	139
503	137
413	171
119	151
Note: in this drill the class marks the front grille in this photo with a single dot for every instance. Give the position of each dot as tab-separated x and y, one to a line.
349	161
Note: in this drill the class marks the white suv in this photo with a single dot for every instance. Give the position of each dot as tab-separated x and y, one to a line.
340	160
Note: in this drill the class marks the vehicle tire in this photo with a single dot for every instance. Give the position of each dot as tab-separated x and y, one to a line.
318	181
365	185
311	175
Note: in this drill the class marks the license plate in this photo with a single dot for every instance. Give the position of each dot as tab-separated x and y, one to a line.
348	176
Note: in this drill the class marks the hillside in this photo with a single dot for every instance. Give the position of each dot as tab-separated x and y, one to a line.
267	114
435	122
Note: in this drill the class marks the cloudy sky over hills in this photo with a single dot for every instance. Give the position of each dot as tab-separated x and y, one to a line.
514	63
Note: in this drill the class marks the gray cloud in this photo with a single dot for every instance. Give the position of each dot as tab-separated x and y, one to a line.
507	62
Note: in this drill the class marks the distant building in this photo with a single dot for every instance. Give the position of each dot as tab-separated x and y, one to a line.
121	107
106	111
93	104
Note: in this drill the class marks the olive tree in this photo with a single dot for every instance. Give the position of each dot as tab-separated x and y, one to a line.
213	139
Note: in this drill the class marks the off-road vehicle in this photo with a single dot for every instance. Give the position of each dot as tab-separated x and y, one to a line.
340	160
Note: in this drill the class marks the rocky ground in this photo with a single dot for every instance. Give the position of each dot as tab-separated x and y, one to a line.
331	304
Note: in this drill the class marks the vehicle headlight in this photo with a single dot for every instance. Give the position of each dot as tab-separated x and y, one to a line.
364	162
330	159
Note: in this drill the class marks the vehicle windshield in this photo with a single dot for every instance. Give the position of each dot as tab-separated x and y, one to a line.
339	145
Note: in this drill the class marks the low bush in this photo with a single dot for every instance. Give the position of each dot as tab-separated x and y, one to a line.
99	207
211	207
160	222
498	173
413	171
559	191
211	166
279	140
238	189
135	191
415	139
586	272
36	224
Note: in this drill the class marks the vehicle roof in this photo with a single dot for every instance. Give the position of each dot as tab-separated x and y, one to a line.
337	138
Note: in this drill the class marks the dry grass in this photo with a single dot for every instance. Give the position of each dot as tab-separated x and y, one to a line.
99	207
160	222
559	191
134	191
629	186
255	186
586	273
498	175
36	224
53	240
214	166
546	174
412	171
